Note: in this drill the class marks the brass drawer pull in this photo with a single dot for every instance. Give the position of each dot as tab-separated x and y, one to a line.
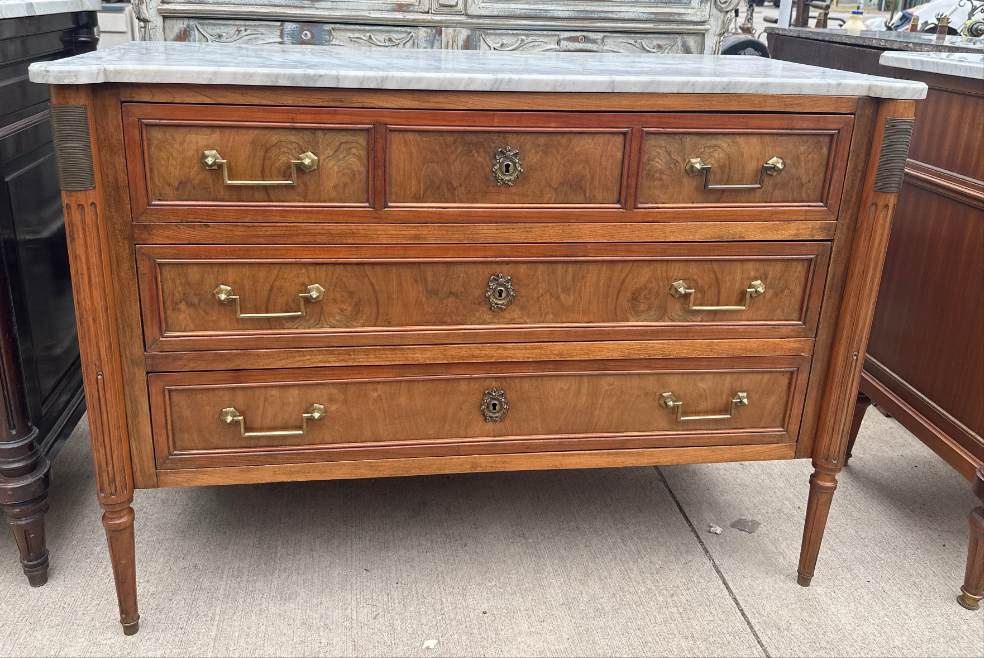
307	162
680	289
315	293
494	405
773	167
669	401
315	412
506	166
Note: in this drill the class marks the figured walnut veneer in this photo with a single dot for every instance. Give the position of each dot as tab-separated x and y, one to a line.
403	225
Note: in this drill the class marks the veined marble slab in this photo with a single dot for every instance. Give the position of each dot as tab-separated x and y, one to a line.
886	39
459	70
963	65
21	8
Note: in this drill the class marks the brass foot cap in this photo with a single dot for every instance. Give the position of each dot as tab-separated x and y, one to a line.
131	628
38	578
803	580
969	601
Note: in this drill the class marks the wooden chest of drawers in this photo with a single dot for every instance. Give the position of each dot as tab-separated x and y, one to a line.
288	284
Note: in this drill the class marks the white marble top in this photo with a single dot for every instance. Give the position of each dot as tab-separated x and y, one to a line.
21	8
465	70
963	65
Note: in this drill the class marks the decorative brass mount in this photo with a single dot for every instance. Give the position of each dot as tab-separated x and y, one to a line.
494	405
680	289
315	412
500	292
315	293
306	162
669	401
773	167
506	167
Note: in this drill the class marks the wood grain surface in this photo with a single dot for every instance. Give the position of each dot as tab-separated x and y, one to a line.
565	402
425	290
454	167
255	153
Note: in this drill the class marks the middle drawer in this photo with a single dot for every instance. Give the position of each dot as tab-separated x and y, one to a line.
238	297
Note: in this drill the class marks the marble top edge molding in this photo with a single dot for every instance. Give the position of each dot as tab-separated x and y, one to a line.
962	65
886	39
459	70
22	8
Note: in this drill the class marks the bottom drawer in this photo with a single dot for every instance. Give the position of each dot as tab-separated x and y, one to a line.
208	419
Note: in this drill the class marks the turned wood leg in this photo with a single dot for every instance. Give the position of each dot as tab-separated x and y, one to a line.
119	534
823	482
26	520
973	588
24	501
860	407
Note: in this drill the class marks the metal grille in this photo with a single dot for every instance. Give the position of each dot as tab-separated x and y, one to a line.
73	153
894	151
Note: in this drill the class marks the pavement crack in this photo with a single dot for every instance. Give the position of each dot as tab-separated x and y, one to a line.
717	569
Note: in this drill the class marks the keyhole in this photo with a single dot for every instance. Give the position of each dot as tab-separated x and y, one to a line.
500	292
507	168
494	406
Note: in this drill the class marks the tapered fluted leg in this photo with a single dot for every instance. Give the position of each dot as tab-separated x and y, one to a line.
122	552
823	482
860	407
973	588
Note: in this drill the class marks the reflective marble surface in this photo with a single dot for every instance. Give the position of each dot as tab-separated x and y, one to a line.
465	70
963	65
20	8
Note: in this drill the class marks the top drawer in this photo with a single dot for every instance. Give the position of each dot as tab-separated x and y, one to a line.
191	163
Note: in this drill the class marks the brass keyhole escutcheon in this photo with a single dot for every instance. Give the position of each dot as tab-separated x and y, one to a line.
500	292
506	166
494	405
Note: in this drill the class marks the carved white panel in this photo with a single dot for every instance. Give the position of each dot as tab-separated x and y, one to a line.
263	7
596	42
661	10
312	34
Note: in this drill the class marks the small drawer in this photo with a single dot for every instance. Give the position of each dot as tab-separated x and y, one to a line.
203	297
326	414
207	158
480	167
779	160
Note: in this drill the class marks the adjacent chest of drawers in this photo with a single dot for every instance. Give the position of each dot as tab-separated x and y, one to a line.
290	284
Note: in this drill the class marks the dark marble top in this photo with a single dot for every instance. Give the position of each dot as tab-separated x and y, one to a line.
914	41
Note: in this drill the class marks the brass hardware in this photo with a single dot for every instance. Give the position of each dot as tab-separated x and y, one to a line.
773	167
669	401
315	412
73	151
680	289
500	292
968	600
494	405
315	293
306	162
506	167
893	155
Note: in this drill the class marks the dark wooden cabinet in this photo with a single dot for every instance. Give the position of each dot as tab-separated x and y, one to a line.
40	372
925	362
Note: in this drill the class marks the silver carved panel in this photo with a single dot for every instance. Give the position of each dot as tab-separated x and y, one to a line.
639	10
596	42
314	34
629	26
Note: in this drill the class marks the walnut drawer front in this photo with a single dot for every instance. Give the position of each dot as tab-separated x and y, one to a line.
200	297
231	161
744	161
262	417
452	166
